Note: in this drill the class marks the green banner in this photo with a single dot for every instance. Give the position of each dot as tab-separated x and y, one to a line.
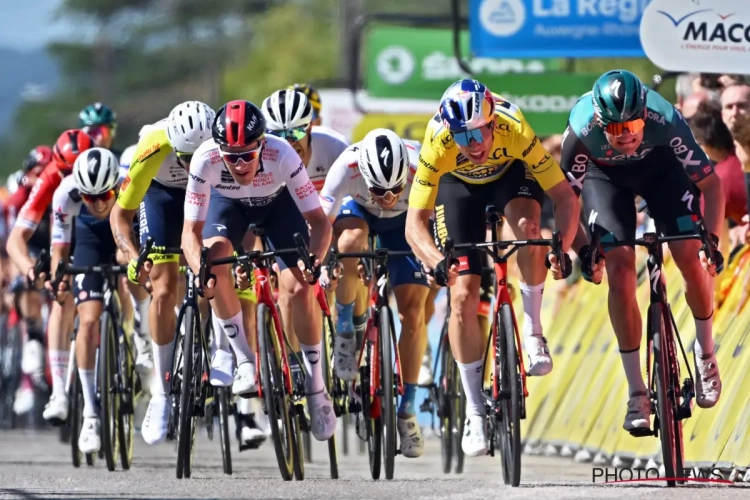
418	63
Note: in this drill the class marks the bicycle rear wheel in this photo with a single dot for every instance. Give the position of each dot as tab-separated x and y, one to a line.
445	401
665	395
126	393
330	382
509	418
275	401
109	401
223	395
387	385
371	416
75	416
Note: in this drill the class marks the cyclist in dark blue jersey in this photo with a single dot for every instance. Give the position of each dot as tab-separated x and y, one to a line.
625	140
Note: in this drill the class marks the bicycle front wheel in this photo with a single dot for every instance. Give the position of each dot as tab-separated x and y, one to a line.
275	401
387	385
109	400
126	415
190	362
75	415
331	386
666	395
223	395
445	401
509	419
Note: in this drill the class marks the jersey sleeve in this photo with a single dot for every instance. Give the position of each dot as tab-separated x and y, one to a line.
335	187
574	159
434	161
294	173
686	149
64	210
40	198
150	153
198	189
543	167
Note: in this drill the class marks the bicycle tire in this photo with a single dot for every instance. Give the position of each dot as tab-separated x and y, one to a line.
126	393
188	393
387	385
330	381
679	445
373	424
295	437
460	411
222	394
445	403
272	383
75	415
664	389
109	401
175	390
307	446
509	424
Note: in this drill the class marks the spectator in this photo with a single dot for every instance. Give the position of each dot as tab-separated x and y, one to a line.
735	103
691	103
685	86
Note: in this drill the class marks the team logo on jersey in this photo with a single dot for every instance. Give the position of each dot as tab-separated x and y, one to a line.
149	153
125	183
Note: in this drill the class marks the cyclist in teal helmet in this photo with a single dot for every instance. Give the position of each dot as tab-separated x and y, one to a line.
625	140
100	122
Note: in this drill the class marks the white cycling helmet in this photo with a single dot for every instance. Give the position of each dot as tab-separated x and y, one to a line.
96	171
126	158
14	181
189	125
383	159
287	109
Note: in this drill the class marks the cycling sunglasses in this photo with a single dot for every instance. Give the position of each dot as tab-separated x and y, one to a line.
244	157
295	134
632	126
93	198
475	134
379	192
100	132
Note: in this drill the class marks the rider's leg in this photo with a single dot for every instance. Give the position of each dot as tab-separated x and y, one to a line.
30	305
60	326
248	432
87	341
139	300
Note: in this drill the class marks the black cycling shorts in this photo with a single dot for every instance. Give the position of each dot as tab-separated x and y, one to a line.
460	210
95	245
609	196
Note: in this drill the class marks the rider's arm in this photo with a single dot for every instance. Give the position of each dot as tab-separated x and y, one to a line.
30	213
335	188
196	207
305	196
64	210
574	161
422	203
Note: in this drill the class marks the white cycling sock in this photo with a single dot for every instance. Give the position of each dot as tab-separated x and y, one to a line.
58	366
235	331
531	297
219	338
162	365
245	406
88	386
631	362
704	340
314	380
140	312
471	380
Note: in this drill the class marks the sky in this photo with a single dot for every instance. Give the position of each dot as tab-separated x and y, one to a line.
30	24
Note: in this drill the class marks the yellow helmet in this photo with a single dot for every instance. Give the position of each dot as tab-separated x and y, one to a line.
311	94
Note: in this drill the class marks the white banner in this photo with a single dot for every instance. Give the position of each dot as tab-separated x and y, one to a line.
705	36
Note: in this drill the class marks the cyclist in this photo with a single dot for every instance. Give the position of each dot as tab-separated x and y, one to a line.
33	221
626	140
367	190
100	122
155	187
241	177
289	115
88	196
317	119
495	159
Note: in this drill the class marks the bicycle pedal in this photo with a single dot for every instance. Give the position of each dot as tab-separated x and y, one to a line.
355	407
641	432
427	407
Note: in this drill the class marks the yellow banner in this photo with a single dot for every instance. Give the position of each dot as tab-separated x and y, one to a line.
406	126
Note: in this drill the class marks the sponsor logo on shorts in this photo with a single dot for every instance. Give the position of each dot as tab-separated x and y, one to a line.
531	146
142	219
463	263
524	191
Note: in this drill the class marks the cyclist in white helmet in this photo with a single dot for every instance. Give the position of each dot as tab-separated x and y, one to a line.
85	200
158	177
367	190
289	115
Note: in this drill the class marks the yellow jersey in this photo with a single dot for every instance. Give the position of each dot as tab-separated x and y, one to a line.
513	139
154	160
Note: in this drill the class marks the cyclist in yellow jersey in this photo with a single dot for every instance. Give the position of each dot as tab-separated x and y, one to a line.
492	157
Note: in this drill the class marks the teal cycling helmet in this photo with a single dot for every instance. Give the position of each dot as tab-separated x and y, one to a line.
619	96
97	114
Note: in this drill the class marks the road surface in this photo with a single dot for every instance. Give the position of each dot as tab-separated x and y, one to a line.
37	466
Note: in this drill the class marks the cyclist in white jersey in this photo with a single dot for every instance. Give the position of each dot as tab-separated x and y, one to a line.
244	177
289	115
367	190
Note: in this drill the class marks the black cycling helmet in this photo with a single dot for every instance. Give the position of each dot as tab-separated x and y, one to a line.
97	114
238	124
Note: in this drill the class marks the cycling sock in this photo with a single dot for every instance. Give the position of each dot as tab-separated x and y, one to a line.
531	297
140	317
162	365
88	386
631	362
35	329
245	406
407	405
235	332
58	366
218	339
344	320
471	380
360	325
704	340
314	380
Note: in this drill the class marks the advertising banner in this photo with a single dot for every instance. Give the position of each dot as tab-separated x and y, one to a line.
706	36
556	28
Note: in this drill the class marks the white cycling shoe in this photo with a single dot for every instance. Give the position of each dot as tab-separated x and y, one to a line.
222	368
708	381
474	441
89	440
412	443
245	380
154	428
540	359
345	358
322	416
56	410
638	415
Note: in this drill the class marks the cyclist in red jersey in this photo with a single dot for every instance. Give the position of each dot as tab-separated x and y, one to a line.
34	213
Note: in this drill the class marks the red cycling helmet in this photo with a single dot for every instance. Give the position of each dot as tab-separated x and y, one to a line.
70	144
40	156
238	124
